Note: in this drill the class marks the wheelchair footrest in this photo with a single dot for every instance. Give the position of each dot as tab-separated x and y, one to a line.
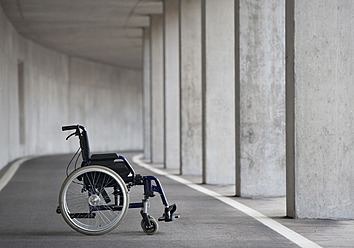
169	214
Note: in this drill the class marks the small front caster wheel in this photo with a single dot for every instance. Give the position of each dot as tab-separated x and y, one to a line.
152	230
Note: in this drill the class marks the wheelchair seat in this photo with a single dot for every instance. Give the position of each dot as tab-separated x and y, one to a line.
112	161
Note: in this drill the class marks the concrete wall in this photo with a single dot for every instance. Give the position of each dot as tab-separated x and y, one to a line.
109	101
55	90
9	44
320	106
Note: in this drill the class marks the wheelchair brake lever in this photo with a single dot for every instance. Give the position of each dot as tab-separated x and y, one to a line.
70	135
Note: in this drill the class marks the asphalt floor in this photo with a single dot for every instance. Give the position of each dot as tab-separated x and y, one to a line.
28	217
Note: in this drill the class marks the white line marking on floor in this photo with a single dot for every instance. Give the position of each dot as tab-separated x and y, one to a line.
265	220
11	171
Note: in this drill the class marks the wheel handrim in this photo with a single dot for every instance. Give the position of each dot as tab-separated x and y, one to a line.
86	196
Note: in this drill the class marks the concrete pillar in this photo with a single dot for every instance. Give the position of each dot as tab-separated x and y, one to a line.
172	96
157	90
147	94
261	117
320	109
191	87
219	158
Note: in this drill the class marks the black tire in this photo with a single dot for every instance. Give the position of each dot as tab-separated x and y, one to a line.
93	200
150	231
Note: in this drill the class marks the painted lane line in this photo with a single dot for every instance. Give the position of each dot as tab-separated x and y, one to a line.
265	220
11	171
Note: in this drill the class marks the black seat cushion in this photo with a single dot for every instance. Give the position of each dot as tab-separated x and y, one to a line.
111	160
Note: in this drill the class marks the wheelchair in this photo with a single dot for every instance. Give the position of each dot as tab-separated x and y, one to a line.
94	198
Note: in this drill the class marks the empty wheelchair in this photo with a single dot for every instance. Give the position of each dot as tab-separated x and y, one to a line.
94	198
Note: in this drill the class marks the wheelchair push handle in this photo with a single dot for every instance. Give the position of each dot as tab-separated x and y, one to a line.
71	127
84	143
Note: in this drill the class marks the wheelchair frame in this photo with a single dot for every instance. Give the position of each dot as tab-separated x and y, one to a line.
117	169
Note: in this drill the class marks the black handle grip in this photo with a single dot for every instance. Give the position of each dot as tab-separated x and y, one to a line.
71	127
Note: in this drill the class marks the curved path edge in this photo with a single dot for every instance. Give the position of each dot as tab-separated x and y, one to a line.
5	179
265	220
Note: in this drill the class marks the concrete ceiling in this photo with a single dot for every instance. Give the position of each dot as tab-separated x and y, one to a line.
108	31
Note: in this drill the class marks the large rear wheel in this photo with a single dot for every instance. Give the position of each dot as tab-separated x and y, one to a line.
93	200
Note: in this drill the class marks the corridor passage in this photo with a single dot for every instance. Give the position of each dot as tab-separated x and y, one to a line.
28	217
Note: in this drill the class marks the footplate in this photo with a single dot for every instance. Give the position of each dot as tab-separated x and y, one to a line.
169	214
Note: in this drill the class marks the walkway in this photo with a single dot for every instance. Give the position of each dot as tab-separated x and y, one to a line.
28	217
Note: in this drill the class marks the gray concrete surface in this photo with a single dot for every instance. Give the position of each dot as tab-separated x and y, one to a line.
262	98
29	201
59	90
191	87
157	90
42	89
172	84
219	139
147	93
109	32
321	107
